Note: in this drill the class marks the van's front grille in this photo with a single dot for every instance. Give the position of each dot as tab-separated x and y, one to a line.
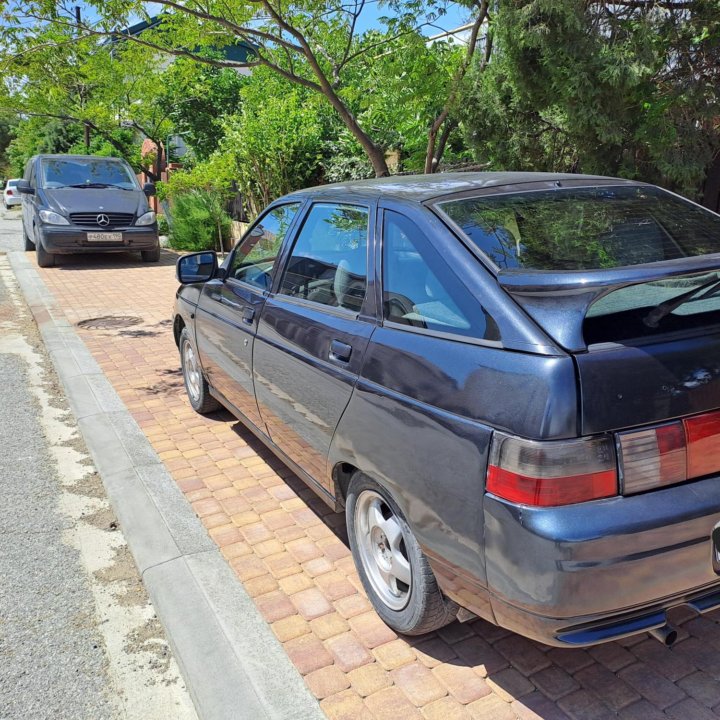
101	220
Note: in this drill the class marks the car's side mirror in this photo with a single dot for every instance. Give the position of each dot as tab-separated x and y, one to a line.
196	268
24	187
149	189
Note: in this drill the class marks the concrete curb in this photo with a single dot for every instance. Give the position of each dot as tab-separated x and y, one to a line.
233	665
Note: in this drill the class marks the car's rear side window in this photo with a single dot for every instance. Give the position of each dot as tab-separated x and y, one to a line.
328	264
255	257
421	290
585	228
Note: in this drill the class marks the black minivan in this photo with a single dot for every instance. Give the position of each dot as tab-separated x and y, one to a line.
84	203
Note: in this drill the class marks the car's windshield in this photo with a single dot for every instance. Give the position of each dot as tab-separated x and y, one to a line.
585	229
11	183
86	172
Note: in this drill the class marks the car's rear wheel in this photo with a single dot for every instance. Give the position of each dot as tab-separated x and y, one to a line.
393	569
150	255
29	244
44	258
196	386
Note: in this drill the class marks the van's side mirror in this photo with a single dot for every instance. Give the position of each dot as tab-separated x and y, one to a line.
196	268
24	188
149	189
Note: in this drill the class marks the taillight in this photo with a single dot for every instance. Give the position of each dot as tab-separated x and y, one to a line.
652	457
670	453
558	472
9	192
703	444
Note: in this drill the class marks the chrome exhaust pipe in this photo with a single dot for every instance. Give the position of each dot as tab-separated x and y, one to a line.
666	634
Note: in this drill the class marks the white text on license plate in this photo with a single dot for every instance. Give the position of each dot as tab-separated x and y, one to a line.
104	237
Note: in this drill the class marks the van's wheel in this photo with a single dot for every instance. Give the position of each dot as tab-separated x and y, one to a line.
393	569
29	244
151	255
44	258
196	385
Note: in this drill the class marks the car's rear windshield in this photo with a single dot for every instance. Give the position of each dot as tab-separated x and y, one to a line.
86	172
11	183
585	228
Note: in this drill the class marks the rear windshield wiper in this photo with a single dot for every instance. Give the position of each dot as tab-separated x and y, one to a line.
653	318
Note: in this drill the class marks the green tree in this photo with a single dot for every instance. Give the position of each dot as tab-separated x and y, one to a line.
198	98
312	44
615	88
101	90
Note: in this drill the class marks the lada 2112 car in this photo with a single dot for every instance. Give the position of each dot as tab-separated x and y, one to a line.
510	382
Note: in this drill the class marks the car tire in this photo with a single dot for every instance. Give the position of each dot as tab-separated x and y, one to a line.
29	244
393	569
196	386
44	258
150	255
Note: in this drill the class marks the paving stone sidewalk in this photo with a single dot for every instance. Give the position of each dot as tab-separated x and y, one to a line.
291	554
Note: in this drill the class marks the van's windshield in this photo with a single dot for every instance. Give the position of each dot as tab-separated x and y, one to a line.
86	173
585	228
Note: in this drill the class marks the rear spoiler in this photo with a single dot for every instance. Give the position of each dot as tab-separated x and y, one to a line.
558	301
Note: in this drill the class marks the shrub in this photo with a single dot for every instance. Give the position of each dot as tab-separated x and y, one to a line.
199	221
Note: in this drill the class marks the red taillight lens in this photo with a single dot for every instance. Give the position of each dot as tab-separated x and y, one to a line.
9	192
703	444
545	474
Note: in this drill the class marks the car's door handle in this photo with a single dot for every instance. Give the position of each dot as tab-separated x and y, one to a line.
340	351
248	314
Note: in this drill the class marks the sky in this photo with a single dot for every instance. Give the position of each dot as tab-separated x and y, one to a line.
456	16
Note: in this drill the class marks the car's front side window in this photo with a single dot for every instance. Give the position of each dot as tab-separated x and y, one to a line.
328	264
421	290
255	257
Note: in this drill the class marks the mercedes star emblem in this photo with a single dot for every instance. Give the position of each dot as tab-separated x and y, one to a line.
102	220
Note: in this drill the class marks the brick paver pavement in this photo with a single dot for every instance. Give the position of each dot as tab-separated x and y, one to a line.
290	552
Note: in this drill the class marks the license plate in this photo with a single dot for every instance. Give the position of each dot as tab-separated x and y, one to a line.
104	237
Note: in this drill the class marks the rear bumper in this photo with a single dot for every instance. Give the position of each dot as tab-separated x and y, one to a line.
64	239
591	572
10	201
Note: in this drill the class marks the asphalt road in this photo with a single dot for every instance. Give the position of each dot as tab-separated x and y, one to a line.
10	230
78	635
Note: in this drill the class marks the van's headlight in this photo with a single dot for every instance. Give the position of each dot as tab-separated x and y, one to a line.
147	219
52	218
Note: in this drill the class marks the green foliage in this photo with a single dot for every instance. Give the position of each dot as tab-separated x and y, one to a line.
575	87
199	221
276	139
39	135
163	225
197	99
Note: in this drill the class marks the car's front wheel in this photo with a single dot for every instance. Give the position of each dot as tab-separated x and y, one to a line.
28	243
44	258
150	255
393	569
196	386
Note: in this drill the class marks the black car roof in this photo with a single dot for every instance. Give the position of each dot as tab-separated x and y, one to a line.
421	188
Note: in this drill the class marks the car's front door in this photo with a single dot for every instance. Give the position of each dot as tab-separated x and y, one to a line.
313	333
229	309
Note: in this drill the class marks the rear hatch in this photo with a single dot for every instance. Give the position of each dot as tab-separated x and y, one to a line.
626	278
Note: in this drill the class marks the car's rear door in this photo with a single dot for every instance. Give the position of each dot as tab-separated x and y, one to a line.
229	309
313	333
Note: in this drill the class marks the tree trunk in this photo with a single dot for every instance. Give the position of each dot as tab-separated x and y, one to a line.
711	189
373	151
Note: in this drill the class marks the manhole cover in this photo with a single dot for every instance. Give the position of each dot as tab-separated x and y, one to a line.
110	322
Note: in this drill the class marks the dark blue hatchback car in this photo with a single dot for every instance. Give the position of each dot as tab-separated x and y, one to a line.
509	381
